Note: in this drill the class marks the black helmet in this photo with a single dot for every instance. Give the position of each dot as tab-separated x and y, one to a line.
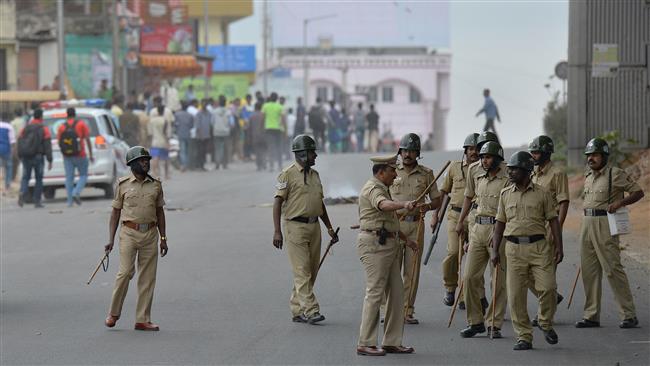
523	160
470	140
137	152
486	136
541	143
410	141
303	142
597	145
492	148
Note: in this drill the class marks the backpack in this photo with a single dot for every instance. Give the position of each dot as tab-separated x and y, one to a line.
69	140
30	141
316	119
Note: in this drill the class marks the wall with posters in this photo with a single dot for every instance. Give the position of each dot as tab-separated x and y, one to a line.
231	86
88	61
167	38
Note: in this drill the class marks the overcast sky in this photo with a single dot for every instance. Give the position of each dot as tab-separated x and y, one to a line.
509	47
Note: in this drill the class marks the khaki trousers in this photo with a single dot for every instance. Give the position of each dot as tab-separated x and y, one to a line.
531	279
410	260
471	221
450	262
303	247
478	257
134	244
382	266
600	252
526	261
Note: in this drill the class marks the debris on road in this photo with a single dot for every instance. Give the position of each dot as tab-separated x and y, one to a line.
341	200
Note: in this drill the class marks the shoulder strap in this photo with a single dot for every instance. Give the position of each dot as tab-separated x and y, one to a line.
609	187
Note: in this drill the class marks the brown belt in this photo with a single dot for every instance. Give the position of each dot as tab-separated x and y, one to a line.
456	208
139	227
376	232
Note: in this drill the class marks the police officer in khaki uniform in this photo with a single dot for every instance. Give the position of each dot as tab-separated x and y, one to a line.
139	204
453	188
379	250
299	196
473	172
524	210
600	252
412	179
486	191
555	181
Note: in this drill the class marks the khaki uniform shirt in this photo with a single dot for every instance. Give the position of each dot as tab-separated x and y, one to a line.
370	216
138	200
454	182
301	198
408	186
487	192
554	180
474	171
597	183
526	213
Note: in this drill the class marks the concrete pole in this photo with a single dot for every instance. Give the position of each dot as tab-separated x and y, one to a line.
305	65
206	44
60	45
265	52
115	33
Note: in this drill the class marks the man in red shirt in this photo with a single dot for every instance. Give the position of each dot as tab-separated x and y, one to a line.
34	143
74	136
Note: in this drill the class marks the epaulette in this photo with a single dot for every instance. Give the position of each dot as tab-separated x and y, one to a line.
506	189
426	169
122	179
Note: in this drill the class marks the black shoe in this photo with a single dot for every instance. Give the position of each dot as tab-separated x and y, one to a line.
449	298
484	305
461	305
629	323
315	318
550	336
522	346
494	334
38	205
381	320
20	200
77	200
472	330
299	319
535	322
559	298
586	323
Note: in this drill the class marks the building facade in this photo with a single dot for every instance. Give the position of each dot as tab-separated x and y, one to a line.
609	73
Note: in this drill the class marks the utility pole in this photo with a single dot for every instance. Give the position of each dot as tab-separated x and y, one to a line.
60	30
116	46
265	36
305	63
206	44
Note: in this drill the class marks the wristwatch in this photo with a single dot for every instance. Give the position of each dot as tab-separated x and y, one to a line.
163	238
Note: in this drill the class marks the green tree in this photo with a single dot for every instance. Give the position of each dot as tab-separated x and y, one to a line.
555	124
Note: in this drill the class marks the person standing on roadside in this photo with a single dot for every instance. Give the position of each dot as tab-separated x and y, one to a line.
221	133
274	129
257	137
203	134
130	125
160	129
373	129
7	151
74	137
301	118
359	120
34	145
184	122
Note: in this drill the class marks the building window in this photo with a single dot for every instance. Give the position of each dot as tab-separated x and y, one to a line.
337	95
372	94
321	92
387	94
414	95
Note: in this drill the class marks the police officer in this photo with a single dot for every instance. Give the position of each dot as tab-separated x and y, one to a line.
299	196
473	172
600	252
453	187
486	192
412	179
554	180
139	204
524	210
379	248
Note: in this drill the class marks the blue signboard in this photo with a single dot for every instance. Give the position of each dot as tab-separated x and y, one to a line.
232	58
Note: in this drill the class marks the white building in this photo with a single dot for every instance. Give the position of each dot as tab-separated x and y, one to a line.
409	86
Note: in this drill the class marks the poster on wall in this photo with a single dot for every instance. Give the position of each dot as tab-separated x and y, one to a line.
166	38
604	62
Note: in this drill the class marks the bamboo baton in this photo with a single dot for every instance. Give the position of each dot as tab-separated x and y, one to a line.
573	290
460	289
99	265
415	263
427	188
336	233
494	298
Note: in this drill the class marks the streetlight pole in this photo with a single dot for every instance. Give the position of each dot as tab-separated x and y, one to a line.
206	24
60	45
305	63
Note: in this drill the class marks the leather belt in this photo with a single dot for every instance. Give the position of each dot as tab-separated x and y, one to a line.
474	206
456	208
486	220
143	228
376	232
306	220
412	218
594	212
525	239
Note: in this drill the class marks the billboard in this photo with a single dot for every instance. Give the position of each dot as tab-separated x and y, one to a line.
166	38
232	58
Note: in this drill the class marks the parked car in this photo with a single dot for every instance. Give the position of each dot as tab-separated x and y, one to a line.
109	151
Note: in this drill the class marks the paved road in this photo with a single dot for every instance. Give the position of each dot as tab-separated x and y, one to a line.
222	292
